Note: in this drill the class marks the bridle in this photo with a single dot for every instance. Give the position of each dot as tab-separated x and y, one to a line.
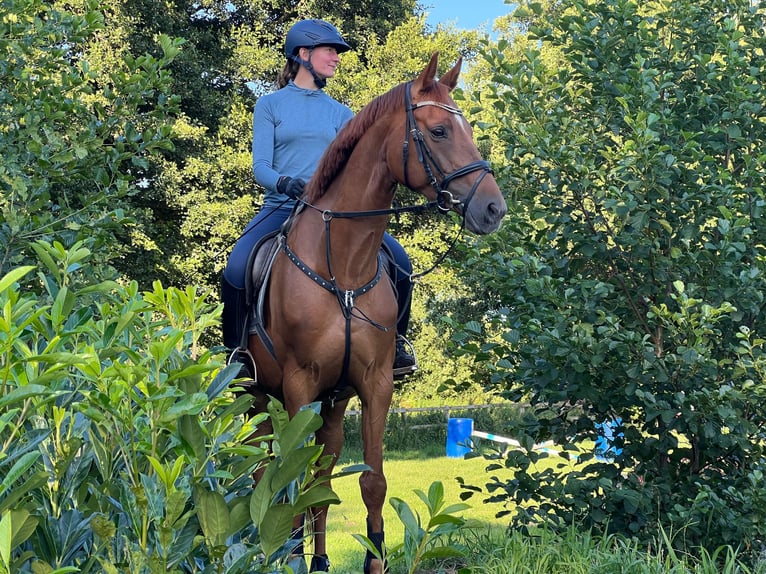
444	199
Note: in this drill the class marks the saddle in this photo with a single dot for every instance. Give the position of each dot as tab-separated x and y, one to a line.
259	266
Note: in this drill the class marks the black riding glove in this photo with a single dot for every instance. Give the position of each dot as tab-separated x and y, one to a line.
291	186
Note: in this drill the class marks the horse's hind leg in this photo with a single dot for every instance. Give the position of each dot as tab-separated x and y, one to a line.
331	436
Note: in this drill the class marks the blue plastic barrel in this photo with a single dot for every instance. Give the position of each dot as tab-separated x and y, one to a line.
459	437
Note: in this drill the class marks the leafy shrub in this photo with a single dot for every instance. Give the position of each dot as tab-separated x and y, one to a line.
628	282
76	133
122	448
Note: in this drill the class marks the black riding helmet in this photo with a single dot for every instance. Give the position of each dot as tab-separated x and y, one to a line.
310	34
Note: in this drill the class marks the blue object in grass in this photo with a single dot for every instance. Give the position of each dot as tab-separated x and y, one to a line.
605	441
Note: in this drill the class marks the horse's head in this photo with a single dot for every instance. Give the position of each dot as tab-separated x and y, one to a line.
441	160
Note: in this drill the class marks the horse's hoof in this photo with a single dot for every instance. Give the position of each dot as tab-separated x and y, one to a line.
320	563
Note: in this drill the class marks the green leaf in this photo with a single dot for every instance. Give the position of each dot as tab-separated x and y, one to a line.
6	538
440	519
21	394
351	469
175	506
370	547
13	276
213	516
192	432
435	496
293	465
24	525
239	516
299	429
63	359
278	523
18	469
408	518
159	469
31	483
262	496
316	496
189	405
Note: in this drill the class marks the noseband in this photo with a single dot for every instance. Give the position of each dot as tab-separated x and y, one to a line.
444	199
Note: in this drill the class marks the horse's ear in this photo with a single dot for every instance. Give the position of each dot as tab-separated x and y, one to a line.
426	77
450	78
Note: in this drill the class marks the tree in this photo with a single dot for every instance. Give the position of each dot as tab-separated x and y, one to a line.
71	146
627	286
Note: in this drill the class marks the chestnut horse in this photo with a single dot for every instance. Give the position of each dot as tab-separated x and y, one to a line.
330	318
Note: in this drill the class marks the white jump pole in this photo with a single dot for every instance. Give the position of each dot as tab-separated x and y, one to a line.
510	441
494	437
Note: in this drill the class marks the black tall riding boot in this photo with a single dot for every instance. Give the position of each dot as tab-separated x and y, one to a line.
235	314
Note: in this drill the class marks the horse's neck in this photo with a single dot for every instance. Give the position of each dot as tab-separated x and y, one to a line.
364	184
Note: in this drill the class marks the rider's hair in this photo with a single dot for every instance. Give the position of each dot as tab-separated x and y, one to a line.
288	73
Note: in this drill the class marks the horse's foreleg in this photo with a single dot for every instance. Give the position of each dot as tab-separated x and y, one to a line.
373	482
331	436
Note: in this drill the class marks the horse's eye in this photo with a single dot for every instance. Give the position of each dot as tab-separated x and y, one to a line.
438	132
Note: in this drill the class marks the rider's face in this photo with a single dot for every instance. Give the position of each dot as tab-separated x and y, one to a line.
324	59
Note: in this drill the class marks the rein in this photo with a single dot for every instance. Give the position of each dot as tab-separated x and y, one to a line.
444	200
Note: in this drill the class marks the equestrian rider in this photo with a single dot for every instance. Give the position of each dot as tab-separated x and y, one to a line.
291	129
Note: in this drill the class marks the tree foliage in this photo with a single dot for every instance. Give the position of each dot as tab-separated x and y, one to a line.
72	145
628	284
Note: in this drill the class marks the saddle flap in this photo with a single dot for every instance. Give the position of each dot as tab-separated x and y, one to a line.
259	265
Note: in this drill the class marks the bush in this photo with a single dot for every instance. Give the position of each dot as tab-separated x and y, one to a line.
628	280
122	448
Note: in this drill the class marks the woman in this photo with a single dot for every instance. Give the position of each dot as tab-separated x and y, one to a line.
291	129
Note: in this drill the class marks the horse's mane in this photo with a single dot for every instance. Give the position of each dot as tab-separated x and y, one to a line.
337	154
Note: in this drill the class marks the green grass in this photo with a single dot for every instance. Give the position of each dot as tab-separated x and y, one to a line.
403	476
576	552
491	549
405	473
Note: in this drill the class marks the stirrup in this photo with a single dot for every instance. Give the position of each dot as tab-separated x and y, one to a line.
408	368
247	370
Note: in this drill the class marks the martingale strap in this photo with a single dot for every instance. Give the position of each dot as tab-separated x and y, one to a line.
346	297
